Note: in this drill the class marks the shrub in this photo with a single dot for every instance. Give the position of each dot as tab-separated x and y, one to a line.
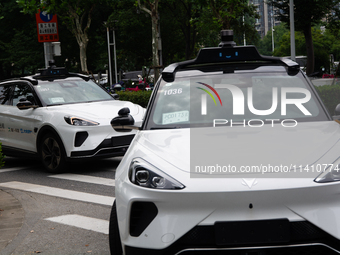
137	97
2	162
330	95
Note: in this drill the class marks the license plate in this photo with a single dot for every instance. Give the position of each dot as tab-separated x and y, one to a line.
252	232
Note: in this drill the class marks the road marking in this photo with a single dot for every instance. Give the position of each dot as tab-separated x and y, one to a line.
63	193
85	178
79	221
10	169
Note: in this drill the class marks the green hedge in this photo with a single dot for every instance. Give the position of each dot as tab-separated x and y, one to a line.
136	97
2	162
330	96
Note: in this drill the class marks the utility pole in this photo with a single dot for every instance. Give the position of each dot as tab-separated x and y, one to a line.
114	52
273	46
292	30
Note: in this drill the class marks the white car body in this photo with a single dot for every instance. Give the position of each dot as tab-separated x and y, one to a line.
252	169
22	130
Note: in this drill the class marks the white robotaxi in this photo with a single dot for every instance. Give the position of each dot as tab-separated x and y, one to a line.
59	117
237	154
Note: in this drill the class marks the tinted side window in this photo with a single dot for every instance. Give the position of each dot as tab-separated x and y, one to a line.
22	91
5	93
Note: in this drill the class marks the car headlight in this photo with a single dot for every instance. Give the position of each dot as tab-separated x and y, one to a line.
330	174
146	175
75	121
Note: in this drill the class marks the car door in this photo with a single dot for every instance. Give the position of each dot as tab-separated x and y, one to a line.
22	123
5	94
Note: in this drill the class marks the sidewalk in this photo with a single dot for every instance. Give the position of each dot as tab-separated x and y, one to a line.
11	218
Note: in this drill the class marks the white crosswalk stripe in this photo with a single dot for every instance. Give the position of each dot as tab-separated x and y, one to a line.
85	178
57	192
11	169
84	222
74	220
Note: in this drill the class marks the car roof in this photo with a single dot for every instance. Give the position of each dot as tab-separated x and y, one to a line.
50	74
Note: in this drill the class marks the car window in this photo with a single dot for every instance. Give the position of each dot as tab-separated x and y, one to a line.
199	100
5	92
22	91
70	91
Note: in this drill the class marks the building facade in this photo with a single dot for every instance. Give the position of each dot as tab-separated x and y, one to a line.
268	18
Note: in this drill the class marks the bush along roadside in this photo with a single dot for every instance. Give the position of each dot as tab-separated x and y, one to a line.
330	96
137	97
2	162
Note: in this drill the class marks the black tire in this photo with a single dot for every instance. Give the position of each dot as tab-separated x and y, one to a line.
114	237
52	153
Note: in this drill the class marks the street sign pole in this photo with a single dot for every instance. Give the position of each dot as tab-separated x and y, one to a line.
47	29
48	53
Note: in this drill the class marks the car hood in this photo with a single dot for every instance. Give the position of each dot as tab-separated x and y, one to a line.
97	110
306	144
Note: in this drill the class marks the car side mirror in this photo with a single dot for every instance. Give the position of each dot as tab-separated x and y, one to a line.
115	96
24	104
124	122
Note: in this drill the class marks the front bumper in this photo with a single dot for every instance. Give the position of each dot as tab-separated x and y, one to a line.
115	146
185	220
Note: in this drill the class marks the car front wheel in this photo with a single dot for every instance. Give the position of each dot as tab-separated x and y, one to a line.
114	237
52	153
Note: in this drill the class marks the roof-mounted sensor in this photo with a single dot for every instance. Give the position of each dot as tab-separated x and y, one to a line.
227	52
52	72
227	39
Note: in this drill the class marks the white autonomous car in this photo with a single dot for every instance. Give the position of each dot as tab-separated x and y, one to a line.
237	154
61	117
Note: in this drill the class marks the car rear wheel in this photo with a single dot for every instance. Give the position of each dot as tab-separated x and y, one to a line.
114	237
52	153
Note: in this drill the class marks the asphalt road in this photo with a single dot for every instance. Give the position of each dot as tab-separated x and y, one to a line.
64	213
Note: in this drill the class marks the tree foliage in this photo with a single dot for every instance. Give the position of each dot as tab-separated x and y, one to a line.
307	14
19	47
75	14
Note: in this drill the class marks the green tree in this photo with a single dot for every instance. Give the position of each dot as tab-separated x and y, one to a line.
186	15
151	7
20	51
238	15
265	46
133	35
306	14
75	14
322	46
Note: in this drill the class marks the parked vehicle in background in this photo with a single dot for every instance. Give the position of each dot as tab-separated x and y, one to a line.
59	117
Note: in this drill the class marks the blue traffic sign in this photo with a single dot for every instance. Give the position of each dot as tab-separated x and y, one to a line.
46	17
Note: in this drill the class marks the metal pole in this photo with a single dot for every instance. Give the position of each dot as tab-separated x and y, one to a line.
48	53
273	31
108	47
114	53
292	30
244	34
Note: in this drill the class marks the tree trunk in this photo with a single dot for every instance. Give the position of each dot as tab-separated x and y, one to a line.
153	11
83	57
155	57
307	31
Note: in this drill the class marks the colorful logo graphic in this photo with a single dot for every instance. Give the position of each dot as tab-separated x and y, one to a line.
209	93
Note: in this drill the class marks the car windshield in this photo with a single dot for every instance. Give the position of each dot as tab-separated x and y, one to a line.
196	99
70	92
